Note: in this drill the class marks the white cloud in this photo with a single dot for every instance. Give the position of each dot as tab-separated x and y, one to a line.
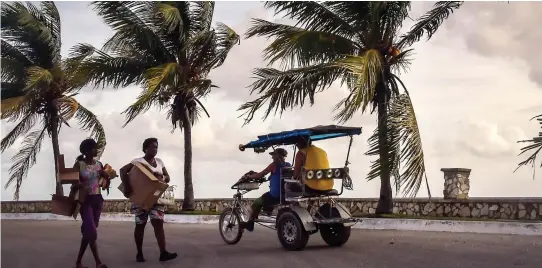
471	106
505	30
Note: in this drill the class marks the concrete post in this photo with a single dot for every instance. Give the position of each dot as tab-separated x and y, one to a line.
456	183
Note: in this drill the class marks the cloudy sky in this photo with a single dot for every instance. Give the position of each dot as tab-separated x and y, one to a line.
474	86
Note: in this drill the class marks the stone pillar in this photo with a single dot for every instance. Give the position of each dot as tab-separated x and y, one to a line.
456	183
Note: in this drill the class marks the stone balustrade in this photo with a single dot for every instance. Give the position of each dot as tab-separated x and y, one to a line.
483	208
456	203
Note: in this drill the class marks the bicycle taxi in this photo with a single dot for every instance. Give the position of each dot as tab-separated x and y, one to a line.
293	222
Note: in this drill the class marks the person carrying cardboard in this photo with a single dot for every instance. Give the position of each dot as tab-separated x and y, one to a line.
156	213
90	171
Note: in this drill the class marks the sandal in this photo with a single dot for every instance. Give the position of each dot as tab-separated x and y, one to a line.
166	256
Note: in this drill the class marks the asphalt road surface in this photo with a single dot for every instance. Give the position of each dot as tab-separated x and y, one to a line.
29	244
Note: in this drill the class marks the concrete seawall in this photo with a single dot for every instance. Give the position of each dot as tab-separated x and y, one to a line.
488	227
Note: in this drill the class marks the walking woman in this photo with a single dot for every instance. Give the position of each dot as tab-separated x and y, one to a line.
156	213
90	171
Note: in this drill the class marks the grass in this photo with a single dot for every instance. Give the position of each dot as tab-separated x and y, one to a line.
359	215
399	216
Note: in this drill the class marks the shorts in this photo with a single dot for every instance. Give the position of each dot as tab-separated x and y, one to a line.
90	211
155	213
266	201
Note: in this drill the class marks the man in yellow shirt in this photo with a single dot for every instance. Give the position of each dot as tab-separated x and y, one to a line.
311	157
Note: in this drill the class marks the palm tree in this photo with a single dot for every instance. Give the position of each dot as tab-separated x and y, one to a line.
168	48
37	86
358	43
535	146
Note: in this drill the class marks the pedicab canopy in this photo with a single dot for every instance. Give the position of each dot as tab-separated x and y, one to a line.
291	137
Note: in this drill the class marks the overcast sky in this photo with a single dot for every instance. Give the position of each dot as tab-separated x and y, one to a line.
474	86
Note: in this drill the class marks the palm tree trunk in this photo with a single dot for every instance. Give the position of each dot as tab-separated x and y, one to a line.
56	153
188	201
385	203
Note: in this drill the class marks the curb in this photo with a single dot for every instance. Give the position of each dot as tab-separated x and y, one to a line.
481	227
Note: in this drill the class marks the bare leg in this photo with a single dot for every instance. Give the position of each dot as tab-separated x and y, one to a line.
160	234
82	249
161	239
94	249
139	233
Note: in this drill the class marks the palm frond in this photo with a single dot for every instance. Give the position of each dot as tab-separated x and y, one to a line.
12	70
202	107
358	15
429	23
83	51
30	17
11	103
175	36
73	71
400	64
67	107
199	88
144	102
201	15
393	152
11	90
366	70
535	146
38	77
133	23
160	76
16	103
288	89
24	160
295	46
313	16
200	50
30	31
20	129
104	70
404	149
393	15
170	15
18	54
226	38
89	122
404	119
52	20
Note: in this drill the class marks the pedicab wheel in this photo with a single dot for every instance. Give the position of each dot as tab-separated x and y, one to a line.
335	235
291	233
230	226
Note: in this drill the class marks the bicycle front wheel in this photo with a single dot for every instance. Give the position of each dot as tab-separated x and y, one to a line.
230	226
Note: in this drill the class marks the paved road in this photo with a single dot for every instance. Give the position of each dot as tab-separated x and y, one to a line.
27	244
